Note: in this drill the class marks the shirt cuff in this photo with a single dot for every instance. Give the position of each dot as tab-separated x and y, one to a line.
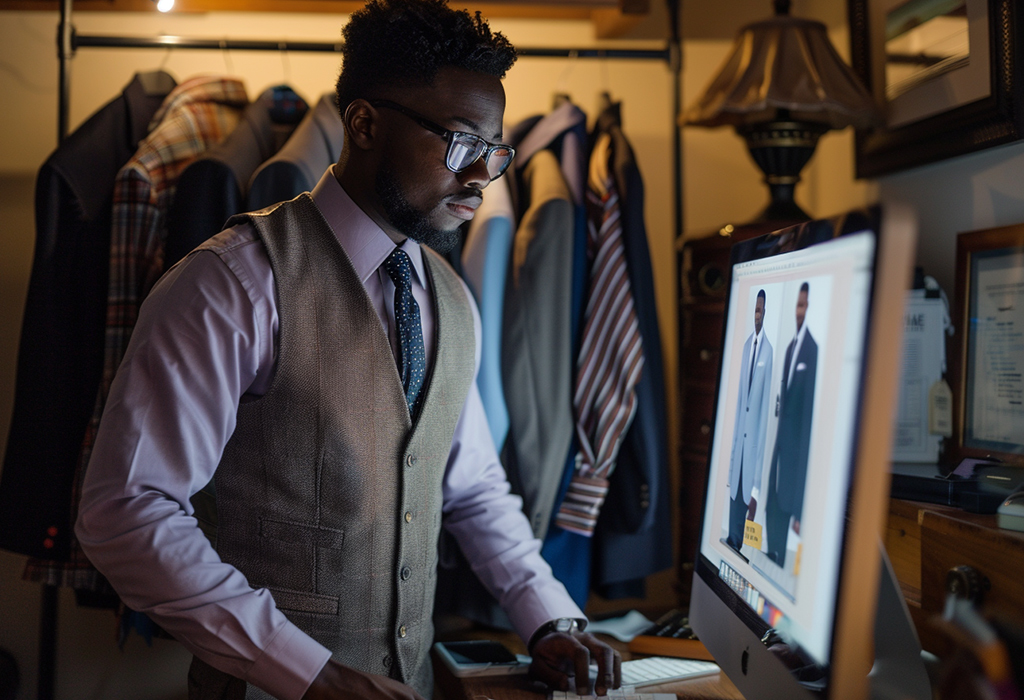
755	493
289	664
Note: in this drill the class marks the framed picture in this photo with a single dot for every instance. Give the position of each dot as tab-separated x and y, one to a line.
988	369
947	72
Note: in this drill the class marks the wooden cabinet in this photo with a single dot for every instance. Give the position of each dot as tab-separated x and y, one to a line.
925	542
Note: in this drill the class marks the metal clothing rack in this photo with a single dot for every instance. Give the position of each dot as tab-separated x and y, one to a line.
69	41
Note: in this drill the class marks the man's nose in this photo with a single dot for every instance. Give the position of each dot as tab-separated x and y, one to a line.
476	175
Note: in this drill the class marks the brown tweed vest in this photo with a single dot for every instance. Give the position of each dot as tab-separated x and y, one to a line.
327	495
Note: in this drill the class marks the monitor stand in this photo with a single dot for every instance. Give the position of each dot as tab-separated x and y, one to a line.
899	670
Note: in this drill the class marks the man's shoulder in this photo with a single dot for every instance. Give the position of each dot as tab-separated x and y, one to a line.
231	239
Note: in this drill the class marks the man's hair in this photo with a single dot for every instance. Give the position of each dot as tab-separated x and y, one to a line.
404	43
761	295
805	288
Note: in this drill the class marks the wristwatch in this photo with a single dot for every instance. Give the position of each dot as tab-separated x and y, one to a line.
566	625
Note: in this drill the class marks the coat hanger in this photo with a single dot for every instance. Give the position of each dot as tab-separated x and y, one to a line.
229	66
605	97
157	83
561	95
287	106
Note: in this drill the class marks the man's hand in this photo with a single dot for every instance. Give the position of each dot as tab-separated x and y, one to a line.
338	682
796	526
563	662
751	508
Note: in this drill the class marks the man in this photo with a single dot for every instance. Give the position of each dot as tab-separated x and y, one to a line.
751	426
793	439
317	365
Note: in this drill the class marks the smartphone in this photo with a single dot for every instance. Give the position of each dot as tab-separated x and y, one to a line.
480	657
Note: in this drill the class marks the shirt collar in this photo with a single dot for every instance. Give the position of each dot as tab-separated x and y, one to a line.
365	243
802	332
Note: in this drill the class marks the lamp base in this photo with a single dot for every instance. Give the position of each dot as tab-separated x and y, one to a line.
781	148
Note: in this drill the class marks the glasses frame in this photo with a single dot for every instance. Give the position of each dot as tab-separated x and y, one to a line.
451	135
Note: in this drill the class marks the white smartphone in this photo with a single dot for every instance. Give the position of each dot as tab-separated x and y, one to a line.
480	657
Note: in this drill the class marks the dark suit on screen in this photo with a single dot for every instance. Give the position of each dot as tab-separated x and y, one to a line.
792	444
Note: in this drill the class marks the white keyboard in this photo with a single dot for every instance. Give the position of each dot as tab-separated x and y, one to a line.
659	669
650	671
620	694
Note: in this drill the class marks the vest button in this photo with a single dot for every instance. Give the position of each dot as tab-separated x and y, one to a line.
410	460
402	632
408	517
387	661
406	573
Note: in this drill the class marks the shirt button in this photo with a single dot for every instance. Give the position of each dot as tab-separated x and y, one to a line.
402	631
387	661
410	460
406	573
408	517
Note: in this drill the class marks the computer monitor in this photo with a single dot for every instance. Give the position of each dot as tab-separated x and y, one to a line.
785	600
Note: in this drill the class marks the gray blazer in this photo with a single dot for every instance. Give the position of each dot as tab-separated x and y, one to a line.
297	167
751	426
536	361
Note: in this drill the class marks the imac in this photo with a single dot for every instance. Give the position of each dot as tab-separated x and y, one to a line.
790	574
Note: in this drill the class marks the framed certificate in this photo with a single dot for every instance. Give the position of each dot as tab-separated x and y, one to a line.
989	376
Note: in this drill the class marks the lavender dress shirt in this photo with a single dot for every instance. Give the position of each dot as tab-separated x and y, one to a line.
206	340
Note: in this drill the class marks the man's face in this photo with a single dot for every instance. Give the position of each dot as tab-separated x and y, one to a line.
758	314
801	309
418	194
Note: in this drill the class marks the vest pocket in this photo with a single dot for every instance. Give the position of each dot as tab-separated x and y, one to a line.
299	601
301	534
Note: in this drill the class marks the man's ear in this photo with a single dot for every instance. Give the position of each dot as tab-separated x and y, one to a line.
361	124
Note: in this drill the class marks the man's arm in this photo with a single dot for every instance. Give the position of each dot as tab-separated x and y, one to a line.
198	345
488	522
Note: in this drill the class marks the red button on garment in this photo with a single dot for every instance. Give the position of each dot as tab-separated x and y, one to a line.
48	543
51	531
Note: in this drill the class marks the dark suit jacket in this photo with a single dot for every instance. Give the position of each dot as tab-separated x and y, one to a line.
793	440
298	166
634	532
60	357
213	188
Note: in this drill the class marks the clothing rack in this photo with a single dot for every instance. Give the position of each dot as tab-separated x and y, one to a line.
69	41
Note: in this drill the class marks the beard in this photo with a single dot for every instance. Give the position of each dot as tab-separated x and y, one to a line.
409	220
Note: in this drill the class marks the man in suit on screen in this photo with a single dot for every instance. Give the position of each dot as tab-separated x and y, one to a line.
788	474
751	427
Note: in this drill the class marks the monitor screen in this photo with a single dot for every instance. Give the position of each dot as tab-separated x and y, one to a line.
788	563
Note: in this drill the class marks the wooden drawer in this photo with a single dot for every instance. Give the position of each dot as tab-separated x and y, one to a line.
951	538
903	544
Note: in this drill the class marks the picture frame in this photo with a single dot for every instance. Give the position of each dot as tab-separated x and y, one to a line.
988	360
975	106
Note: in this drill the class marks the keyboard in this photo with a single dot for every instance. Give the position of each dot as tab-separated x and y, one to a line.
619	694
674	625
671	635
659	669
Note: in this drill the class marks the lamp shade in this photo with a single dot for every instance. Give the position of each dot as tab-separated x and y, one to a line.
784	63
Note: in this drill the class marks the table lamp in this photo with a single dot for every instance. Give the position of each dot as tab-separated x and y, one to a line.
782	86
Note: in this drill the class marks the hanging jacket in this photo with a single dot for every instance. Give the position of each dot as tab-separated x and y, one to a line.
297	167
60	357
195	115
215	186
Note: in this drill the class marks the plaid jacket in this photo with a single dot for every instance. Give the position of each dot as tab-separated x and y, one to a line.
196	115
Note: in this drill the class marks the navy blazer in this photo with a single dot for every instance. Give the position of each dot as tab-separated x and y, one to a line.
60	356
793	439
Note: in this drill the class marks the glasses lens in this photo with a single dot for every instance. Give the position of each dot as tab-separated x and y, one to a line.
499	161
464	150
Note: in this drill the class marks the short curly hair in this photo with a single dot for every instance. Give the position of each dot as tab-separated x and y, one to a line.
405	42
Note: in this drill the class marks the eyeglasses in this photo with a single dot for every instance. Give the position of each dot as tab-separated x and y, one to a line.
463	149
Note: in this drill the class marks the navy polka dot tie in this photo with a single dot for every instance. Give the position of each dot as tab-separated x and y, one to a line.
412	363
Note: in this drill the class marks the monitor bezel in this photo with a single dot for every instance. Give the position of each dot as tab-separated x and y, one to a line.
853	624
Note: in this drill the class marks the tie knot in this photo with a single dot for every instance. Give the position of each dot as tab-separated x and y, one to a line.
399	268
